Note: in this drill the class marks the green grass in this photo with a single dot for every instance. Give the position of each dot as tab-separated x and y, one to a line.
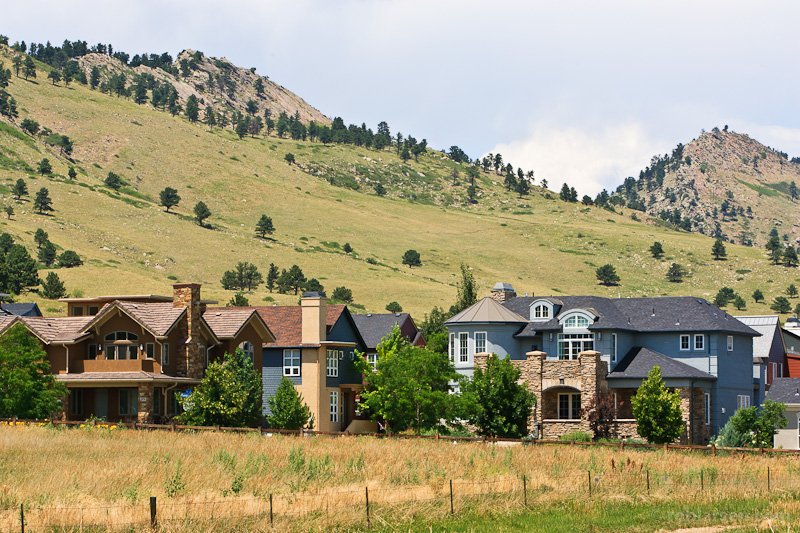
766	191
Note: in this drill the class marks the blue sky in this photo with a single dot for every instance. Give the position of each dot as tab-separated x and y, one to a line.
582	92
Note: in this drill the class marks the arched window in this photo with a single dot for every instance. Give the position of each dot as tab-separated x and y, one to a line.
248	349
121	345
541	311
576	321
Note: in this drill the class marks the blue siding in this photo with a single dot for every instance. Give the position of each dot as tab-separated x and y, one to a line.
344	331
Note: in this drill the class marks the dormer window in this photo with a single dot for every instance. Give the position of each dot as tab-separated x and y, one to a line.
541	311
576	321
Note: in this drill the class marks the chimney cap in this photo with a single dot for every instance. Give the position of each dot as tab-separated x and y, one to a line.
502	287
314	294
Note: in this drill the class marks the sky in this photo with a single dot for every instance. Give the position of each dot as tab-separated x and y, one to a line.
579	91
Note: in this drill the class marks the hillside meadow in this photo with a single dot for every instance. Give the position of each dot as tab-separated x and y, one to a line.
104	478
130	244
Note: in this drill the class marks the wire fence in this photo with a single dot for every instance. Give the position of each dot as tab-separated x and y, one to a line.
367	505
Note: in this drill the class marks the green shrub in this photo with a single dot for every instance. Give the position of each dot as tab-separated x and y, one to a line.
577	436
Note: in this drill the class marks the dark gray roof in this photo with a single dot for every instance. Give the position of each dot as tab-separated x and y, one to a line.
20	309
785	390
638	362
374	327
666	314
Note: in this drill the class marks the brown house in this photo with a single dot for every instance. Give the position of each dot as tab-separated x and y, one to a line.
128	357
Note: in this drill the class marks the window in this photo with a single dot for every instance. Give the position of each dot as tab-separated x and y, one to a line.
452	347
332	363
335	406
77	310
576	321
742	400
480	342
165	354
730	343
569	406
128	401
150	350
372	359
76	402
571	344
463	347
174	406
707	405
684	342
291	362
93	310
92	353
204	353
157	401
541	311
613	347
699	342
777	370
124	345
248	349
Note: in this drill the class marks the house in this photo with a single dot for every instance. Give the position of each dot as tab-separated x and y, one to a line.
373	327
314	347
128	357
787	391
791	341
571	348
19	309
769	353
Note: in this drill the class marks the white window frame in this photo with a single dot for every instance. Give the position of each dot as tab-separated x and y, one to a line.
614	348
777	370
291	362
573	405
707	405
702	345
541	311
164	354
688	340
132	400
372	359
76	402
572	322
730	343
463	347
334	406
248	349
452	347
150	350
480	342
742	400
575	343
332	363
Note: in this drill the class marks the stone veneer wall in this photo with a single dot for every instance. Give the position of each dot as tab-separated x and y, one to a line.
145	408
189	358
701	433
502	296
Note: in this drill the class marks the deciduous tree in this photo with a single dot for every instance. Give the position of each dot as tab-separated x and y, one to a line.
657	410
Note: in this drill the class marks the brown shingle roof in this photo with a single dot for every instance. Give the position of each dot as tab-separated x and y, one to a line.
51	329
286	322
115	377
157	317
227	322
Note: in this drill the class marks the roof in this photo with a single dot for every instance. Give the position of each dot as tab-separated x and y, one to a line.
638	362
487	310
791	341
768	326
227	322
50	329
116	377
286	322
785	390
665	314
20	309
158	317
374	327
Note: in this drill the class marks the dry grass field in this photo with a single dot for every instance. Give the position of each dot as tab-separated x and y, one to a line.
92	477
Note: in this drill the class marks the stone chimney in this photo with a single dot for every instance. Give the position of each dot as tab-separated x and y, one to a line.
190	355
314	314
502	292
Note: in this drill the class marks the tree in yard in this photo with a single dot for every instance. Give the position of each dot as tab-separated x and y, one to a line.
754	426
790	256
409	388
54	75
30	68
42	201
229	395
244	277
657	410
739	303
603	415
113	181
675	273
791	290
289	158
781	305
52	287
238	300
758	295
347	248
47	254
412	258
264	226
498	405
44	167
40	237
201	213
287	408
607	275
272	276
169	198
69	259
394	307
19	189
718	250
28	389
342	294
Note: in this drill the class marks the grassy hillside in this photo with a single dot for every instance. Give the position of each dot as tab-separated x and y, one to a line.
130	245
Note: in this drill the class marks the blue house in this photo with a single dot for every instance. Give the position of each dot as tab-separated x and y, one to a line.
573	348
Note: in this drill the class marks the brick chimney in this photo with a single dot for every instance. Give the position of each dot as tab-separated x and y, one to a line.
190	355
502	292
314	313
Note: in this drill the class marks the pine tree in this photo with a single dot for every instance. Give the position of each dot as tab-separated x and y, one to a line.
44	167
607	275
52	287
192	108
30	68
264	226
169	198
47	254
287	409
272	276
758	295
412	258
657	410
113	181
19	189
790	256
201	213
657	250
718	250
675	273
40	238
42	201
791	290
72	173
210	119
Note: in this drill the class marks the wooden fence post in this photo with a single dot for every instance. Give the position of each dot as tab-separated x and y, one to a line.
713	450
366	493
702	484
22	516
153	518
768	484
648	481
524	490
451	496
590	483
270	510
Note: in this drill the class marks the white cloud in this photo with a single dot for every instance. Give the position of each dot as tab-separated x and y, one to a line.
778	137
587	160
